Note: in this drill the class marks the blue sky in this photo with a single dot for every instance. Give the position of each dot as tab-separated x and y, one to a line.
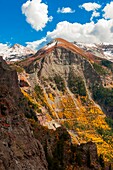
32	22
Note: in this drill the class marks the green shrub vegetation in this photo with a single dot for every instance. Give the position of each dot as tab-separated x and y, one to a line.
109	122
76	85
107	64
99	69
107	135
103	95
17	68
38	91
59	83
66	124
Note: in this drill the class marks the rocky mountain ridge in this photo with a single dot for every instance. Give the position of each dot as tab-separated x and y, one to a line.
19	52
104	50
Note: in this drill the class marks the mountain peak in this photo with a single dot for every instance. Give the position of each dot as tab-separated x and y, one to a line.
16	52
17	46
61	43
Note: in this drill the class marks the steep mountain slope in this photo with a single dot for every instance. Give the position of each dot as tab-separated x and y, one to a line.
19	150
70	87
16	52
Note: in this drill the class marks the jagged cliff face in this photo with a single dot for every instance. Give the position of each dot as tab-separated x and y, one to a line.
69	87
61	154
19	149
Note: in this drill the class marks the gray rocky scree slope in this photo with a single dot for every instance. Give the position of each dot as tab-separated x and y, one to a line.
19	150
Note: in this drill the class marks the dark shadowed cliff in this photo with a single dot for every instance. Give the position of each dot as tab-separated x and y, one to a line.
19	150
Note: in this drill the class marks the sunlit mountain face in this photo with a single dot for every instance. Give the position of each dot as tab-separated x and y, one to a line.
56	85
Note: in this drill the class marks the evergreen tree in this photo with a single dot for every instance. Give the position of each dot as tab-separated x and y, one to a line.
101	161
110	167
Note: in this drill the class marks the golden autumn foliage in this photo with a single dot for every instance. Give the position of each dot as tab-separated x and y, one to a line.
84	121
81	117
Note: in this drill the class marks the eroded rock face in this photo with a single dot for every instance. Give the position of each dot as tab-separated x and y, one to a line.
86	155
19	150
61	154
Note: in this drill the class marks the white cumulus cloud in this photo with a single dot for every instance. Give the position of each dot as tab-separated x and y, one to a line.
90	6
73	31
36	14
65	10
94	14
91	32
35	45
108	11
3	47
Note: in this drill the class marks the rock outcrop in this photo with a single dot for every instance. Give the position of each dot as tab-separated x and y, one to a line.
19	150
61	154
